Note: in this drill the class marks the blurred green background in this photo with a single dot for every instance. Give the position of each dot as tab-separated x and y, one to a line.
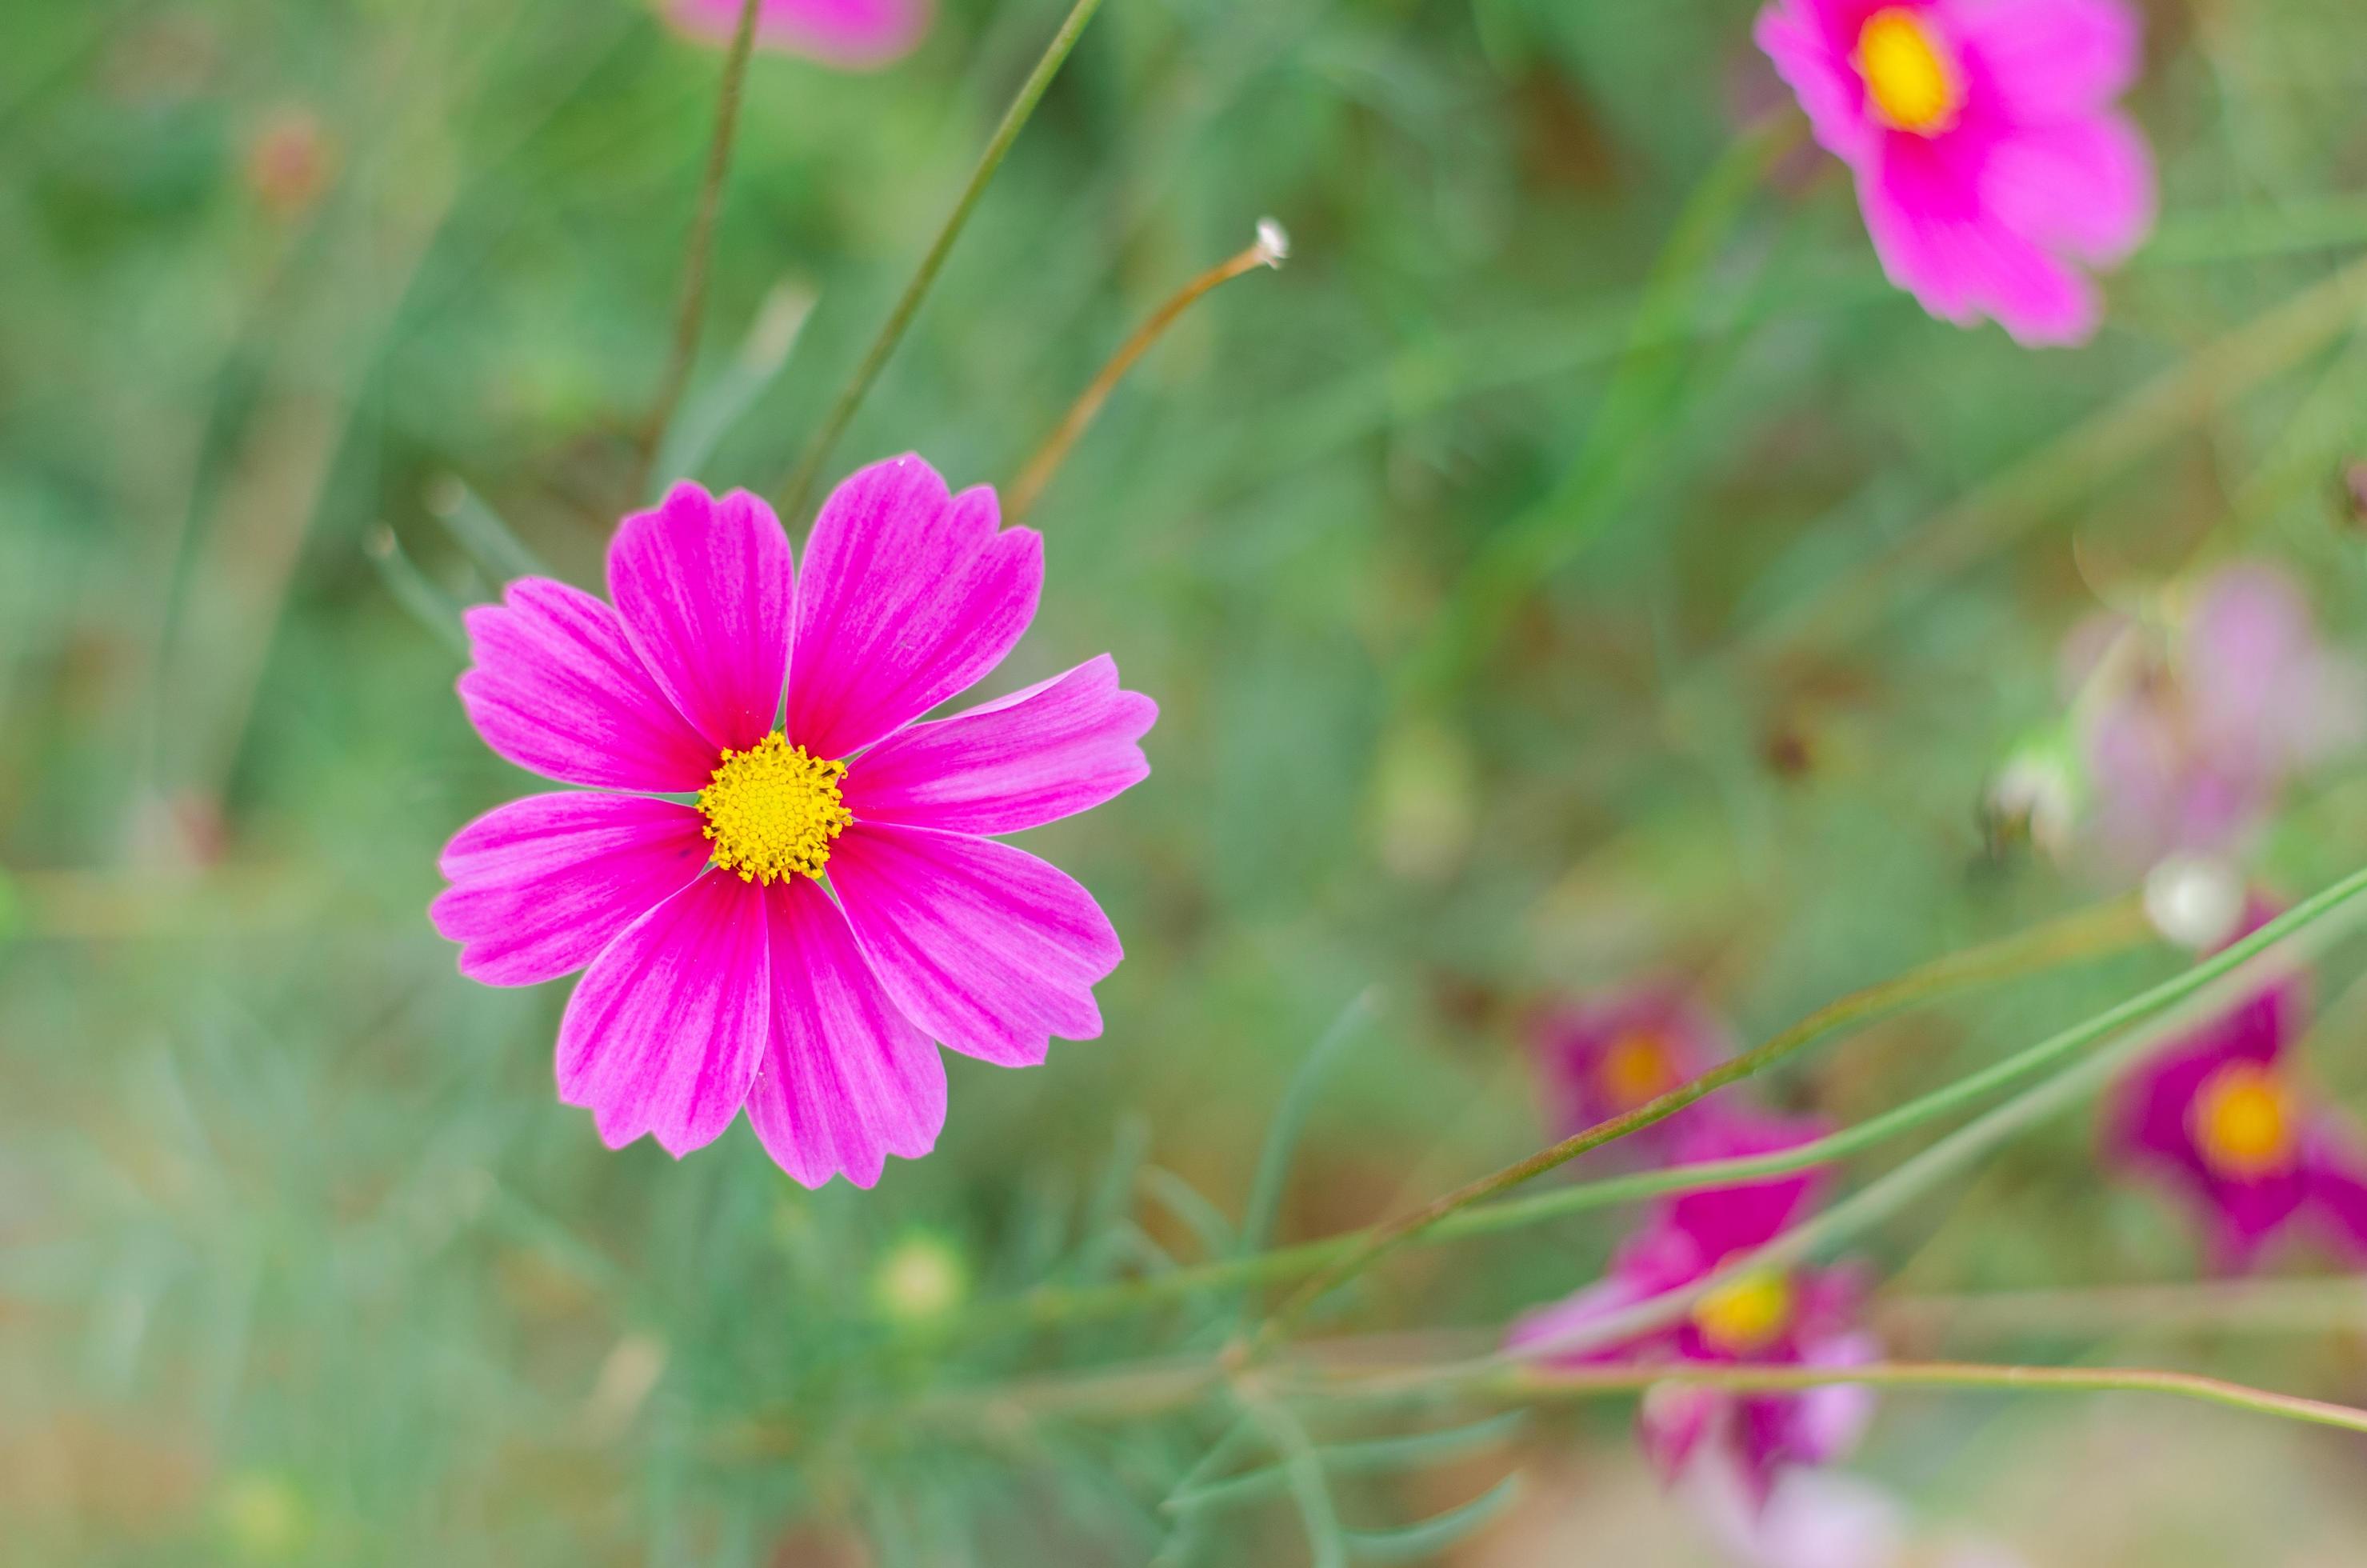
1575	565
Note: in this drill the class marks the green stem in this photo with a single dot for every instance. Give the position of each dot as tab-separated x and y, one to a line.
691	308
798	491
2199	994
2086	934
1586	1383
1131	1392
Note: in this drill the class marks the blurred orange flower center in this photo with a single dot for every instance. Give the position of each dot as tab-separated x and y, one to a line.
1634	1069
1745	1314
1912	81
772	811
2242	1122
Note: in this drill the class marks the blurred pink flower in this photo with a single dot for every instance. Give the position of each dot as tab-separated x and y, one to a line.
2188	735
855	35
1988	153
721	973
1801	1316
1603	1055
2221	1117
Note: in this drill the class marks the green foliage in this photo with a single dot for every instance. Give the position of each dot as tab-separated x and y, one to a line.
1576	564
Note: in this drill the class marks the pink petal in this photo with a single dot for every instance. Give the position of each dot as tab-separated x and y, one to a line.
847	1079
1820	75
1960	262
1671	1420
1827	1420
540	885
557	689
2083	187
989	949
910	595
2336	1175
854	34
666	1029
704	589
1046	752
2048	59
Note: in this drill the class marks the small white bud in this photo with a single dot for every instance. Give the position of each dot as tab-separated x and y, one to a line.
2194	901
1273	242
2037	793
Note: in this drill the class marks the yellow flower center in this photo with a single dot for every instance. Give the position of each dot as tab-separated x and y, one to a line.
773	810
1634	1070
2242	1122
1912	82
1745	1314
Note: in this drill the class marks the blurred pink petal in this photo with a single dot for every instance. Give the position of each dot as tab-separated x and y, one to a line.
1601	1056
855	35
2190	730
1986	148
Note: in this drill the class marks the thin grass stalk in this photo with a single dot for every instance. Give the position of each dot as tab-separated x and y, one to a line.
2092	933
798	491
1269	250
690	306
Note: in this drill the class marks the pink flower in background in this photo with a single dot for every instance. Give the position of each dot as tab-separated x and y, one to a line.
720	972
2222	1118
2189	731
1988	153
1603	1056
1800	1316
857	34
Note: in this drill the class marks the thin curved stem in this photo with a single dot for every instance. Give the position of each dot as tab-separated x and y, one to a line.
798	491
2208	988
1270	249
1585	1382
2111	928
2086	934
690	308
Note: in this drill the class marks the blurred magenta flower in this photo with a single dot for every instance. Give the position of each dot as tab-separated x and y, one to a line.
1802	1316
2224	1120
722	974
2190	731
1988	153
855	35
1603	1055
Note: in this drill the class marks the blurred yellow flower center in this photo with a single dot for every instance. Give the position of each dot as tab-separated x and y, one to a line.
1912	84
772	811
2242	1122
1634	1070
1747	1314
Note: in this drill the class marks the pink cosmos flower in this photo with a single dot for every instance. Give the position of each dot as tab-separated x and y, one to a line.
1603	1056
1987	156
720	970
855	35
2221	1117
1803	1316
2190	729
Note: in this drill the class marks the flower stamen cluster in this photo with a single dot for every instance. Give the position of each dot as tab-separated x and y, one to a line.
773	810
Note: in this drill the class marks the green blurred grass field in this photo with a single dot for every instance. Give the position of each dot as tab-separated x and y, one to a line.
1575	564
